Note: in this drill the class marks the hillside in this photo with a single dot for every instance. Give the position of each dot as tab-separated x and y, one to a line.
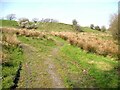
48	26
56	56
42	26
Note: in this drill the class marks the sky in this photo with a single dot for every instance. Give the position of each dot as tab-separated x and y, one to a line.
86	12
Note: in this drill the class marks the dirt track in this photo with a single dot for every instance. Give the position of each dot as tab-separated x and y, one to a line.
39	71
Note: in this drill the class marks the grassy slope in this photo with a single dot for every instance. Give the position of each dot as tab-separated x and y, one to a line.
42	26
8	23
56	27
49	26
81	69
76	67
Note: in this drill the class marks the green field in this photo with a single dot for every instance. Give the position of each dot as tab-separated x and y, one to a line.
51	62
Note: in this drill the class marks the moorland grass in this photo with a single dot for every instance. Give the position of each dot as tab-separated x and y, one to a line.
80	69
77	67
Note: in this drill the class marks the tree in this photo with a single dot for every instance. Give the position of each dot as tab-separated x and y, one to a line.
97	28
35	20
76	26
103	28
113	27
74	22
92	26
10	16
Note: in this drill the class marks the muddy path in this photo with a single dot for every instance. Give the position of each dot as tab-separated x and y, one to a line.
38	70
56	79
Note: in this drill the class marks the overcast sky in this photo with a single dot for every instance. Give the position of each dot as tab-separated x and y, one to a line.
85	12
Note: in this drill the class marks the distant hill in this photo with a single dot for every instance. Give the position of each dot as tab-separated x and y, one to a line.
48	26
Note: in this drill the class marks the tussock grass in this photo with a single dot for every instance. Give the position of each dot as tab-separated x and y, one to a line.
87	41
86	70
90	42
10	39
25	32
80	69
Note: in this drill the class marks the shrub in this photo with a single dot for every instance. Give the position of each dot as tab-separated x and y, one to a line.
76	26
103	28
97	28
74	22
92	26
